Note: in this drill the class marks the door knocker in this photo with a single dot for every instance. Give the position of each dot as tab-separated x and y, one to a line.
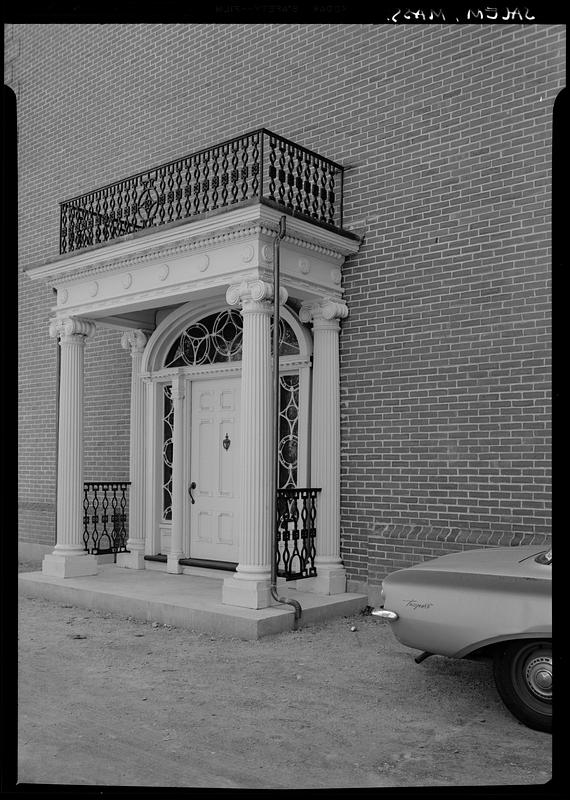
226	443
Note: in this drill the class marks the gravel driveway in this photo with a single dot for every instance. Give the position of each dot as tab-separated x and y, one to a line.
110	701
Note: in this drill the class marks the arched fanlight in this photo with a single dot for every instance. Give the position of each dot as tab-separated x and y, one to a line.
218	338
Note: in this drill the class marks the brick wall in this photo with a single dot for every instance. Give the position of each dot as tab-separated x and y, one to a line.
446	133
37	386
445	355
107	408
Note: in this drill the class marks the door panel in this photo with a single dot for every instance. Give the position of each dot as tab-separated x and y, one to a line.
215	469
203	526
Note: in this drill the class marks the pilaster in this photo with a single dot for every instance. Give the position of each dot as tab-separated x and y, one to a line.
325	443
251	585
69	558
135	341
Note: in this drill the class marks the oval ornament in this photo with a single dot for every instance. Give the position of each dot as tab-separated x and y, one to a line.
163	272
267	253
126	280
63	296
203	262
93	288
247	253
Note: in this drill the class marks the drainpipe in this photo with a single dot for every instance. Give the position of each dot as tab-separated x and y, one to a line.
276	387
57	393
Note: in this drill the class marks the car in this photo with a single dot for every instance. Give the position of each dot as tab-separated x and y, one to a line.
490	603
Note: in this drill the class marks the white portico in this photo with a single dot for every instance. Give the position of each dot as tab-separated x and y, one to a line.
201	392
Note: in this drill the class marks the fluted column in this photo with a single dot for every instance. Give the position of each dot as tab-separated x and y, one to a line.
250	587
177	528
69	558
325	443
135	341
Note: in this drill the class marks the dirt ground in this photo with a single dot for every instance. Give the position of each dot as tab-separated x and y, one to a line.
105	700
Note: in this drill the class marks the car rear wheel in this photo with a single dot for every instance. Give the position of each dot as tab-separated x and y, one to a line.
523	675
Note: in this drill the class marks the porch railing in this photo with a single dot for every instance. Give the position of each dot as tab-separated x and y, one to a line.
259	166
105	514
105	525
296	533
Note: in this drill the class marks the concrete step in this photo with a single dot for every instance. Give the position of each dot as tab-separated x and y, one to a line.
185	601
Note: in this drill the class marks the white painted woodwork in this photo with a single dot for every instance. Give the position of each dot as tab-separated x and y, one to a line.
250	587
135	340
154	375
325	445
178	489
153	467
69	558
195	260
215	513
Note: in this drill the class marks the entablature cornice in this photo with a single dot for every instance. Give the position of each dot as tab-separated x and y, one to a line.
169	265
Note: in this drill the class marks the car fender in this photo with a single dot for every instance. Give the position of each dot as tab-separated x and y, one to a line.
473	648
455	614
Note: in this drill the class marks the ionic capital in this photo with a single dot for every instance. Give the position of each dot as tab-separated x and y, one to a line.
134	340
254	295
71	329
328	310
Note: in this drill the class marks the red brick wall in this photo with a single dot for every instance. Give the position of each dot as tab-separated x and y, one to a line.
446	133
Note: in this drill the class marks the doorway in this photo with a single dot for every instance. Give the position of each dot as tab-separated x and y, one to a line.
202	347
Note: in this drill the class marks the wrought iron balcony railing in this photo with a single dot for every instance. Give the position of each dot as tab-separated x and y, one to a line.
255	167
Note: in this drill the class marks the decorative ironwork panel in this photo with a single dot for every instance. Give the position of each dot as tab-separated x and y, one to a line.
296	532
218	338
167	450
105	515
254	166
288	430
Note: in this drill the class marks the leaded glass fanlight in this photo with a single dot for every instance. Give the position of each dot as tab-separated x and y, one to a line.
217	338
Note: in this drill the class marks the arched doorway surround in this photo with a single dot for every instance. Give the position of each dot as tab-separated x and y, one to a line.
191	368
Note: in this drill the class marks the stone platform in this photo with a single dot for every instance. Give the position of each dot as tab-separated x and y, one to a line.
191	600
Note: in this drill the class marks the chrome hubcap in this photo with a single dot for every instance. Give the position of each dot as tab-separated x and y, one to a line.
538	675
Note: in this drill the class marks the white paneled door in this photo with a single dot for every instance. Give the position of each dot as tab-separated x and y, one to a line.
214	469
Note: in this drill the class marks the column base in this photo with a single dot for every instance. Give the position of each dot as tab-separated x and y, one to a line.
69	566
172	564
330	580
132	560
247	593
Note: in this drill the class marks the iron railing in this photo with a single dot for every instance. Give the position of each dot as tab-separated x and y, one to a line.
296	533
254	167
105	528
105	510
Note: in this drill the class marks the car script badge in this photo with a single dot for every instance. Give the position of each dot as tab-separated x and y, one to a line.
416	604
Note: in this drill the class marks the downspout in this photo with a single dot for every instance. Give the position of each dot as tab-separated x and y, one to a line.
276	387
57	393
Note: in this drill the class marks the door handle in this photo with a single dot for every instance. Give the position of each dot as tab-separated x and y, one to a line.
192	486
